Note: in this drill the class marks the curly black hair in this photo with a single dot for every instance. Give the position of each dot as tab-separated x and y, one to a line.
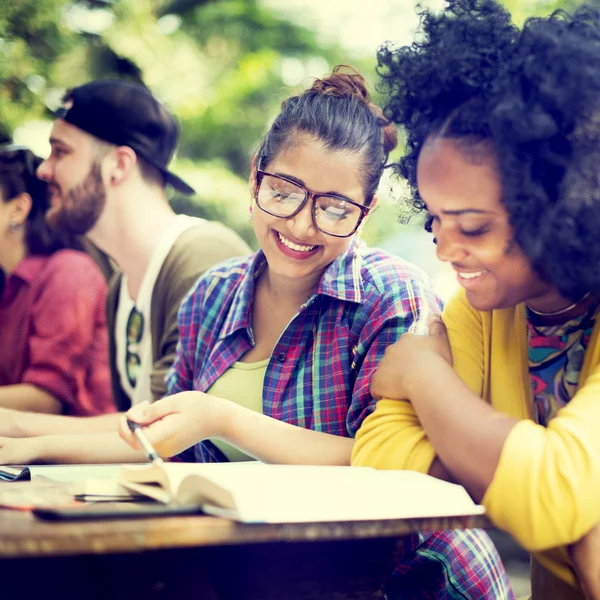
533	96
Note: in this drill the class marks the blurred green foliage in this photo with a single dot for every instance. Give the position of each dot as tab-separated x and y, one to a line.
222	66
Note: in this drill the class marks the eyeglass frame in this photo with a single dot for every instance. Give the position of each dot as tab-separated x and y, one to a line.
364	210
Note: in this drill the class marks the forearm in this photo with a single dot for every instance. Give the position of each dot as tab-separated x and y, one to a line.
273	441
28	397
467	433
85	449
392	437
26	424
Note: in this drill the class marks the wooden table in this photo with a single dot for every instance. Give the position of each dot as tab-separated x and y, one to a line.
201	558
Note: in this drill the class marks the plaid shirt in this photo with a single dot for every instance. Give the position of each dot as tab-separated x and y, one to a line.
320	369
318	377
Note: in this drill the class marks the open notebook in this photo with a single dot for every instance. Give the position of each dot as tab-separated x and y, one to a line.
259	493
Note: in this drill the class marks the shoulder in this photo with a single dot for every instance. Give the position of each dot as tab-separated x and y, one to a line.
66	258
227	274
458	308
393	277
198	249
210	236
217	286
459	305
74	266
210	300
70	278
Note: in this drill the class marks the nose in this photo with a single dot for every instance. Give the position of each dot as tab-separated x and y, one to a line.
44	172
448	249
302	223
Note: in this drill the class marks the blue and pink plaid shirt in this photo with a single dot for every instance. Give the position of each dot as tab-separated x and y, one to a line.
318	378
319	372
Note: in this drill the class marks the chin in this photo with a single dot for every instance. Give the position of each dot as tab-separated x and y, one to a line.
483	304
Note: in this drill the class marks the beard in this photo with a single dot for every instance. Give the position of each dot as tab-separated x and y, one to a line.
80	207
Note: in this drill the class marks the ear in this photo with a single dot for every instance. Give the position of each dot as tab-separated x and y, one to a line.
373	203
372	208
20	207
122	161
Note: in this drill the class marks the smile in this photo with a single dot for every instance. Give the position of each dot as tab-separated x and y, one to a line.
471	275
292	246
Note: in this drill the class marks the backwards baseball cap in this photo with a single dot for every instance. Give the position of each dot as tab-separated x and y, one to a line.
126	114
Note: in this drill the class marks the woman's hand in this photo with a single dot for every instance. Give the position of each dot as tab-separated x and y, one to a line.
21	451
585	555
404	361
177	422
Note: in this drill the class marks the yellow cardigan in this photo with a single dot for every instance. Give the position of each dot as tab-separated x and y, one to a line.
546	489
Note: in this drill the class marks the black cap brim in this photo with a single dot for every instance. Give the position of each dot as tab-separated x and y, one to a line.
179	184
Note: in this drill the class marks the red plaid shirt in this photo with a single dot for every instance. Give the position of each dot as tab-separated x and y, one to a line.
54	336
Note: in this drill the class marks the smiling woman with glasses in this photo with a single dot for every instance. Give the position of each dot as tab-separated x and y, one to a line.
54	351
277	350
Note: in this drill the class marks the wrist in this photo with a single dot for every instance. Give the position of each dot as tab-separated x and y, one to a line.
212	414
223	416
17	425
39	450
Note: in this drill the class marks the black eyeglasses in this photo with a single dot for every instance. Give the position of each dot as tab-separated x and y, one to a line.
281	197
135	331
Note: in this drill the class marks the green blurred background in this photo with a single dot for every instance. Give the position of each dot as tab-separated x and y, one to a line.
223	67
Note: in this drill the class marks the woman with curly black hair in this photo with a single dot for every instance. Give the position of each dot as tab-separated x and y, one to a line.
503	148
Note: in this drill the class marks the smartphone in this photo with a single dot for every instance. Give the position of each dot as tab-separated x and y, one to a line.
113	510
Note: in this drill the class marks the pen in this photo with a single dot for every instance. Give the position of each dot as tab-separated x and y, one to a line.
147	447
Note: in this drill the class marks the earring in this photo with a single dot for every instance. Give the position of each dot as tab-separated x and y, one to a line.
14	225
251	213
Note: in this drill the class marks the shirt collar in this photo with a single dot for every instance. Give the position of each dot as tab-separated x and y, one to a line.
240	315
29	268
341	280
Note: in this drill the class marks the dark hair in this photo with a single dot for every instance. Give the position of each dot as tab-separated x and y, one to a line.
17	176
532	97
337	111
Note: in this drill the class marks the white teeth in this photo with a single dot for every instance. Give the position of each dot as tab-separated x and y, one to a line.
470	275
293	246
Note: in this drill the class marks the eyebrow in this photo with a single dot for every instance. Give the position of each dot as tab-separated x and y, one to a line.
457	213
56	141
331	193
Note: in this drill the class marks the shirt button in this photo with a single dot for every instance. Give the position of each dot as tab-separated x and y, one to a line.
281	357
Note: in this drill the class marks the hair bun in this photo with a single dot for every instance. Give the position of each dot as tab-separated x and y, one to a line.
343	81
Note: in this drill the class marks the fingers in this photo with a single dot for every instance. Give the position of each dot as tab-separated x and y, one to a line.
126	434
436	325
146	413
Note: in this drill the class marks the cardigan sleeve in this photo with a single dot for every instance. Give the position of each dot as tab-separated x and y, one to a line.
546	489
392	436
